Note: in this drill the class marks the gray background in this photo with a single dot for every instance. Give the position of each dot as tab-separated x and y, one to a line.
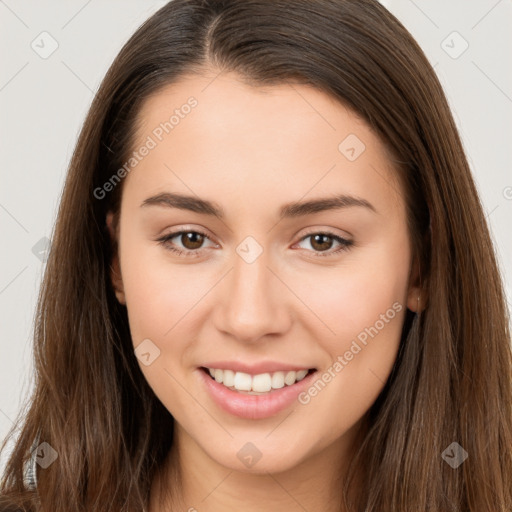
44	99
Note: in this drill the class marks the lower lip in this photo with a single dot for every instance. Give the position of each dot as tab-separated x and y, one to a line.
254	407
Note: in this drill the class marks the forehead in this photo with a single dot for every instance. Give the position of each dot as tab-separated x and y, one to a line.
226	103
274	141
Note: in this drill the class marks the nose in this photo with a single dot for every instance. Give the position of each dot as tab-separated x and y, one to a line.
252	301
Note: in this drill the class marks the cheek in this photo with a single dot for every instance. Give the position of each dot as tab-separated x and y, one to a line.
162	300
352	296
159	293
363	302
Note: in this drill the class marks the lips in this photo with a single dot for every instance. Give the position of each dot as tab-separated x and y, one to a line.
247	403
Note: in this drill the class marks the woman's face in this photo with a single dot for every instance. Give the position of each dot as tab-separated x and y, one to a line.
295	257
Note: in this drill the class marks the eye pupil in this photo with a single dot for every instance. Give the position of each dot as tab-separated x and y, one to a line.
321	246
196	239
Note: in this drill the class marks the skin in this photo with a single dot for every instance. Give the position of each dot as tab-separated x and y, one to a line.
251	150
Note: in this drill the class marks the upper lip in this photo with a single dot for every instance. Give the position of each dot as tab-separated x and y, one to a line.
255	368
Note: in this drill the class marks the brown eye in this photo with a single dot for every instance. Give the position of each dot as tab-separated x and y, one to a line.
185	243
192	240
321	242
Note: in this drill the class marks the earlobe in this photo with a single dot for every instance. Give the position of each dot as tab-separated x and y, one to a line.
117	280
115	267
416	295
415	301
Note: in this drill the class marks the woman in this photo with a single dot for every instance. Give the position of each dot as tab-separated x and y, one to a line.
271	283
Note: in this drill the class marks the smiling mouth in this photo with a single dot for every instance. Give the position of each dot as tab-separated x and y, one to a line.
260	384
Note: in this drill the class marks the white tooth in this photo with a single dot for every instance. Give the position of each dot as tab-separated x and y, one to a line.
290	378
262	382
278	380
301	374
242	381
229	378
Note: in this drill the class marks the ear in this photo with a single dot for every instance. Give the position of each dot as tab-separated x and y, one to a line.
115	267
416	295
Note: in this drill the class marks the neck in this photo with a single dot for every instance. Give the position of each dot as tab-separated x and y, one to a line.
191	480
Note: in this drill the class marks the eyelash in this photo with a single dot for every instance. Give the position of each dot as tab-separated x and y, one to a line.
165	241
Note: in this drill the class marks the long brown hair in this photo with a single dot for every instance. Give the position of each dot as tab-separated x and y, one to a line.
451	382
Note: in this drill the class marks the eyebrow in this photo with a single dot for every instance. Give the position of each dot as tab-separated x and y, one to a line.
290	210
